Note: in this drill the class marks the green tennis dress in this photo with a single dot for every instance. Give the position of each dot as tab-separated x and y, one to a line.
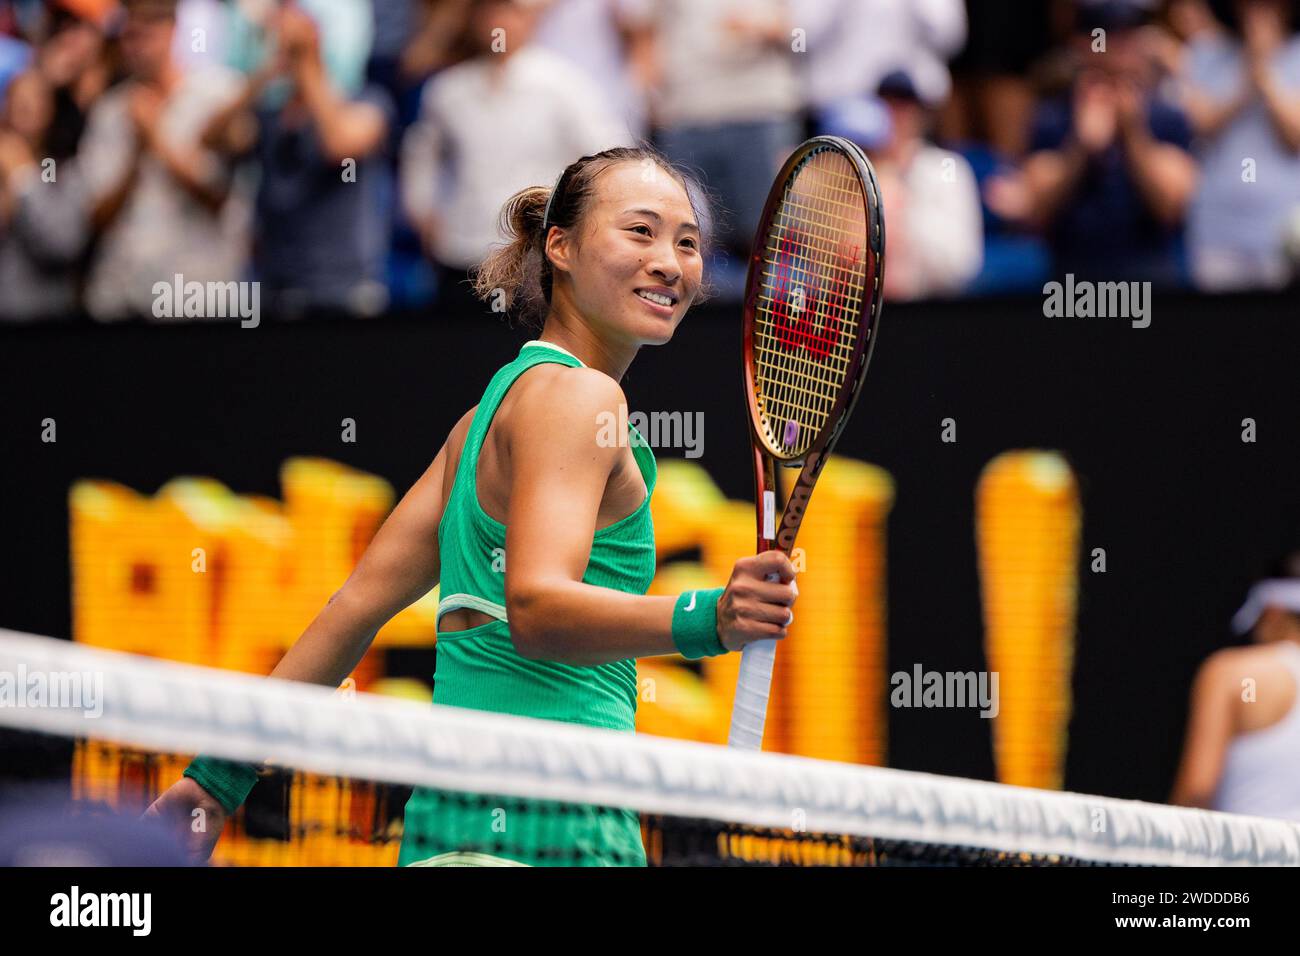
479	668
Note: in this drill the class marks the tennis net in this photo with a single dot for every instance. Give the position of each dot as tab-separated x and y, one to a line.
109	731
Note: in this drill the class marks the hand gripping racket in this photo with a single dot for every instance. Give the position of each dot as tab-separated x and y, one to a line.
812	303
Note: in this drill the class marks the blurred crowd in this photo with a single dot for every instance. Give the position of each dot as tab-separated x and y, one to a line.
352	157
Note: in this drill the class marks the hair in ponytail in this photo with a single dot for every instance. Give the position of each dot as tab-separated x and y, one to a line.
519	272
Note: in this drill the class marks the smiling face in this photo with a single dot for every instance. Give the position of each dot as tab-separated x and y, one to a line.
634	267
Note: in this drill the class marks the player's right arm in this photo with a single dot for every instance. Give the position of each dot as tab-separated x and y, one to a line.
399	567
558	476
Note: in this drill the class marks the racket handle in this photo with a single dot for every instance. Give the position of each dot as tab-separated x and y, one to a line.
753	687
749	713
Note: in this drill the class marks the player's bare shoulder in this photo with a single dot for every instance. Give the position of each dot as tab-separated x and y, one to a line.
1259	686
1227	668
561	401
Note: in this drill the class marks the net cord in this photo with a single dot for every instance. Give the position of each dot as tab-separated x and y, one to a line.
173	707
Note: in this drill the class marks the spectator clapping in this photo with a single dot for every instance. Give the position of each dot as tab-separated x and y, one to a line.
347	157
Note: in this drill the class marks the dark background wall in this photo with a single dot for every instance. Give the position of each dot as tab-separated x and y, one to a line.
1149	418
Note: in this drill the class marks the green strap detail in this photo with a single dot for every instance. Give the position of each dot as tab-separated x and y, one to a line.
695	624
532	354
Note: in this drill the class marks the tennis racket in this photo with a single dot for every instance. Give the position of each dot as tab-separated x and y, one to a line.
812	303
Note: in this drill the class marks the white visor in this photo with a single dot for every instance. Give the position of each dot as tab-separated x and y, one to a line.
1275	592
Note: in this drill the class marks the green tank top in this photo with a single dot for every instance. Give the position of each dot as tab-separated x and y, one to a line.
480	669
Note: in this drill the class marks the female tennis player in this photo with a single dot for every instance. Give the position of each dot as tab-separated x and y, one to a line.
1241	752
612	260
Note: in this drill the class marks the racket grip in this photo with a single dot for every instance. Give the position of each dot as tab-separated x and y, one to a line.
753	687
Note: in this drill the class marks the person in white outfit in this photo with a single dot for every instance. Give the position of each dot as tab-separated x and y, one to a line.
1242	749
511	116
935	235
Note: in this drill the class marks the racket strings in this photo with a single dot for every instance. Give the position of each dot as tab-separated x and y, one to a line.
802	362
811	250
814	274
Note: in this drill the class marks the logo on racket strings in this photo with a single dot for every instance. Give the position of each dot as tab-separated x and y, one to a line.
810	306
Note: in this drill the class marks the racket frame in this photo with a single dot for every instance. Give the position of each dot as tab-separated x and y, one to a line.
814	459
753	683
